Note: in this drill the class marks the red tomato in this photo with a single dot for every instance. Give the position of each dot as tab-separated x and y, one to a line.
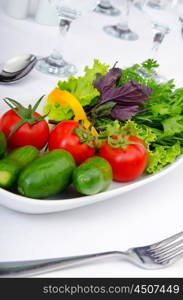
35	135
64	137
127	164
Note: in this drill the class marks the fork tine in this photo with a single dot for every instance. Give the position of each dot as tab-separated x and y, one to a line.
163	250
170	258
166	241
162	256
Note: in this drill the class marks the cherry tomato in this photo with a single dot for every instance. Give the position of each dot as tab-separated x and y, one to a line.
64	137
35	135
127	164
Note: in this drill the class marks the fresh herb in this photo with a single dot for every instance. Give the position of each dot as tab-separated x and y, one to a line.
127	97
141	73
102	110
123	113
107	82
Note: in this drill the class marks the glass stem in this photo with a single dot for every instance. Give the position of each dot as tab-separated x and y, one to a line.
157	40
64	25
123	25
105	3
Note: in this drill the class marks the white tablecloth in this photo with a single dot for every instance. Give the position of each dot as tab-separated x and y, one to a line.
139	217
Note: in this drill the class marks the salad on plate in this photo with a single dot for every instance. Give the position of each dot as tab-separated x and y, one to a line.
109	124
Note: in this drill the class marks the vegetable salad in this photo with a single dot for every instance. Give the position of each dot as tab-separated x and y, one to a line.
129	101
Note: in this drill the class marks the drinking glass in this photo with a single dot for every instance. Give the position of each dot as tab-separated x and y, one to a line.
122	30
68	11
105	7
156	15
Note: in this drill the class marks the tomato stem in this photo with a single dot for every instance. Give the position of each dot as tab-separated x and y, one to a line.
85	135
26	114
120	141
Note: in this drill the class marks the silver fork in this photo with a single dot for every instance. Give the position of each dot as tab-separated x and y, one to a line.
158	255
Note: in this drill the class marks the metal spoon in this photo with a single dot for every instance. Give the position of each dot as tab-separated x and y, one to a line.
17	67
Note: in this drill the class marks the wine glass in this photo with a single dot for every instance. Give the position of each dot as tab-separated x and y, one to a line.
68	11
157	19
122	30
105	7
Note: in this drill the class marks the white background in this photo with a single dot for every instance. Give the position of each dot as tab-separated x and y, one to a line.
139	217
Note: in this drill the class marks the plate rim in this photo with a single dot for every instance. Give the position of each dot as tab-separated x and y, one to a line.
22	204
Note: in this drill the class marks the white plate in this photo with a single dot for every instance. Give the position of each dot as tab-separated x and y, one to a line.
70	199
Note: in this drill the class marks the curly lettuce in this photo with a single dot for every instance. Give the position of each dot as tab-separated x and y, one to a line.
58	112
161	156
82	87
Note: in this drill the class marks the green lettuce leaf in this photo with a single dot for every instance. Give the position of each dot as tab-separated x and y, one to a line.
57	112
97	68
160	156
145	133
82	87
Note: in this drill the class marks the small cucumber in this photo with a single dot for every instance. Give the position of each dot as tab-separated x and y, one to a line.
47	176
9	170
24	155
3	144
93	176
11	166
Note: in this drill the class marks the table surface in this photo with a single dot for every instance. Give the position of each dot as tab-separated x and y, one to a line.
139	217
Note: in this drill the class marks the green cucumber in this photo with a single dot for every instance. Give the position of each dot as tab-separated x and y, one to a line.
9	170
3	144
24	155
47	176
11	166
93	176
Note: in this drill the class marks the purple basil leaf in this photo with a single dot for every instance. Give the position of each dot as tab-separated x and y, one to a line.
131	93
124	113
108	81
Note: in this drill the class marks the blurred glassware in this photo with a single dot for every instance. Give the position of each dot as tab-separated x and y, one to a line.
46	14
33	7
155	13
68	11
158	4
122	30
157	19
159	34
105	7
178	9
17	9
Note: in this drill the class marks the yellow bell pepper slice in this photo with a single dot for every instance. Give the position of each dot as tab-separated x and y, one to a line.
67	99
